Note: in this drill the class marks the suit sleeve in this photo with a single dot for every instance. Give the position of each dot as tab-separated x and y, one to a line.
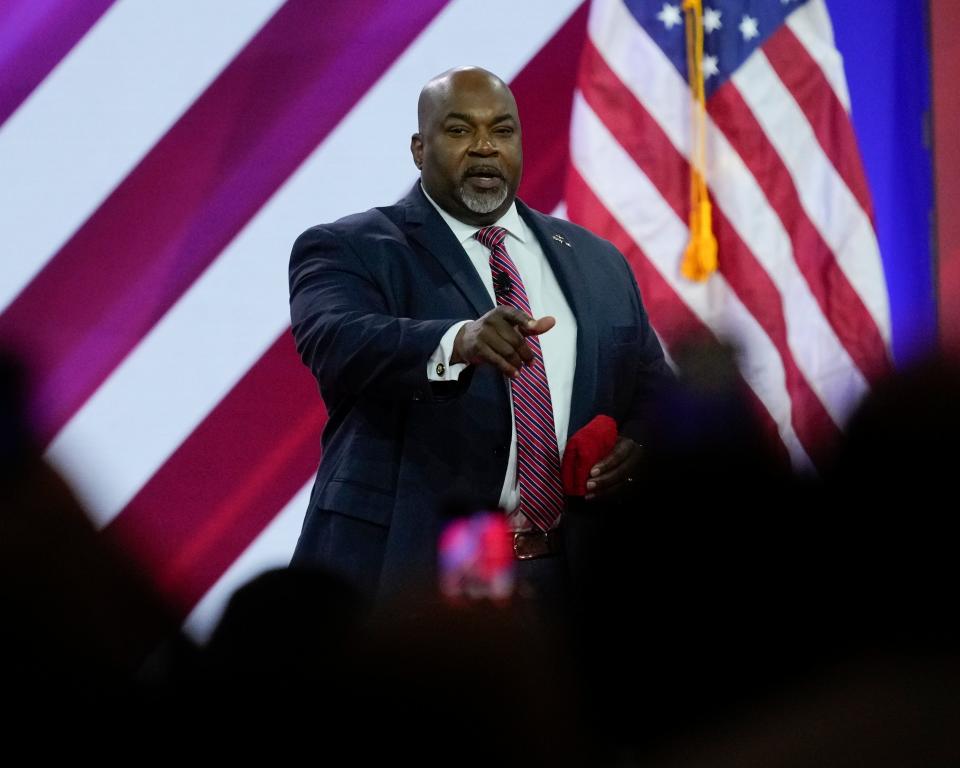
346	332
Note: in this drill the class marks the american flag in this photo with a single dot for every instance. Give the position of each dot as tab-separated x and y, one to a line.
800	287
158	159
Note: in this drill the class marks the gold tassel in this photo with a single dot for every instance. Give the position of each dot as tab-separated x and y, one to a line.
700	256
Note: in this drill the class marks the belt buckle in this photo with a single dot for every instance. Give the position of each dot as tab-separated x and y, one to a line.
522	541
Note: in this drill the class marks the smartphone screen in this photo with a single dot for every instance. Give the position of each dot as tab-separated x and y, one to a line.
476	561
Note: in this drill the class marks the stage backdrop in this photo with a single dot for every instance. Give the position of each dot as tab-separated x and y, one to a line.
157	161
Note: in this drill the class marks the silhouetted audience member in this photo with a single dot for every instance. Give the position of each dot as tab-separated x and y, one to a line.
79	621
893	487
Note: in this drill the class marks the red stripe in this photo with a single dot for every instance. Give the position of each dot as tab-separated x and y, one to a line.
538	472
227	481
491	237
675	322
536	444
513	299
536	419
518	301
541	415
538	509
533	404
544	479
502	261
656	156
534	343
830	122
171	217
537	416
537	517
839	302
532	454
536	402
544	94
813	425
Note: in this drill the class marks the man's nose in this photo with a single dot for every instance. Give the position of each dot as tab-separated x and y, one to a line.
484	145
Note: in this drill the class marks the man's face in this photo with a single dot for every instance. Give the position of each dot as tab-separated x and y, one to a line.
468	148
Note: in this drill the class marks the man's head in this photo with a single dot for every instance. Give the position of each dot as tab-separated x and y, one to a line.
468	144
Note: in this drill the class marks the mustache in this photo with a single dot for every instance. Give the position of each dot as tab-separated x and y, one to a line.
483	170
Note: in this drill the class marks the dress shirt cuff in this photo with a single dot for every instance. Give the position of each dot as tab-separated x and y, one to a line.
439	367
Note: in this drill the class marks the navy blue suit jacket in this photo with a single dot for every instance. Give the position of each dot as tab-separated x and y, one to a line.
371	295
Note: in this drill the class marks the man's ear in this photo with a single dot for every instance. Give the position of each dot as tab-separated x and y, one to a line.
416	149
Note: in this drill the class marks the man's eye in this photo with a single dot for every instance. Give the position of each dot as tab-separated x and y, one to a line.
456	130
505	131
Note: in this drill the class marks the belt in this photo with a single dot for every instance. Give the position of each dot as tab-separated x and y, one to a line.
529	545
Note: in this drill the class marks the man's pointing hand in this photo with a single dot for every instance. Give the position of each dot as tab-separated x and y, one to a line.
499	339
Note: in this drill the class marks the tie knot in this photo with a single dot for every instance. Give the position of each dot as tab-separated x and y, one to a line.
491	236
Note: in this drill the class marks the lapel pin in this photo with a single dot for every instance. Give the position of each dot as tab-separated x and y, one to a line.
560	239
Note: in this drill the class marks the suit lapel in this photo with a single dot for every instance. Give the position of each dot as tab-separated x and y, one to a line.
425	226
568	268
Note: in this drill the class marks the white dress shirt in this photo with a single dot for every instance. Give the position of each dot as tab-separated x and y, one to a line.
558	345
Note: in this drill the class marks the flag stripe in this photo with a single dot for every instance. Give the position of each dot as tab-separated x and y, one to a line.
209	501
673	319
811	24
808	85
835	297
34	36
544	94
178	209
271	549
88	124
754	286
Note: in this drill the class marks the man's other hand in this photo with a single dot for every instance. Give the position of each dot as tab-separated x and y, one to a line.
499	339
614	473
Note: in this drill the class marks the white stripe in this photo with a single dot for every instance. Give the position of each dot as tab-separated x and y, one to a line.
643	67
811	25
271	549
238	307
635	203
832	208
101	109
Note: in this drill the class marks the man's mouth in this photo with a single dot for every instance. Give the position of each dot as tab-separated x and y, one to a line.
484	177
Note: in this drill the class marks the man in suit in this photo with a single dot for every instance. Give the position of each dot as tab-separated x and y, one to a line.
459	338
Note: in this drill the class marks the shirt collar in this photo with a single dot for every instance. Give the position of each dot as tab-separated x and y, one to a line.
464	232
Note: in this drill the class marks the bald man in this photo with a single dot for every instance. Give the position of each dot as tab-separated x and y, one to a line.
459	337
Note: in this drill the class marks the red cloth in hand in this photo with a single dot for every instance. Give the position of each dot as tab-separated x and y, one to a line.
588	446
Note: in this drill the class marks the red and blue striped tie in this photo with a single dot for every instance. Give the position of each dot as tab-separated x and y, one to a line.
538	458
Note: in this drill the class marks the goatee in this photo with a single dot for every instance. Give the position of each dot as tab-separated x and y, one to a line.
483	202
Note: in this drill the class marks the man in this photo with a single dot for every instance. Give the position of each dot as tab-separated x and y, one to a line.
458	338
